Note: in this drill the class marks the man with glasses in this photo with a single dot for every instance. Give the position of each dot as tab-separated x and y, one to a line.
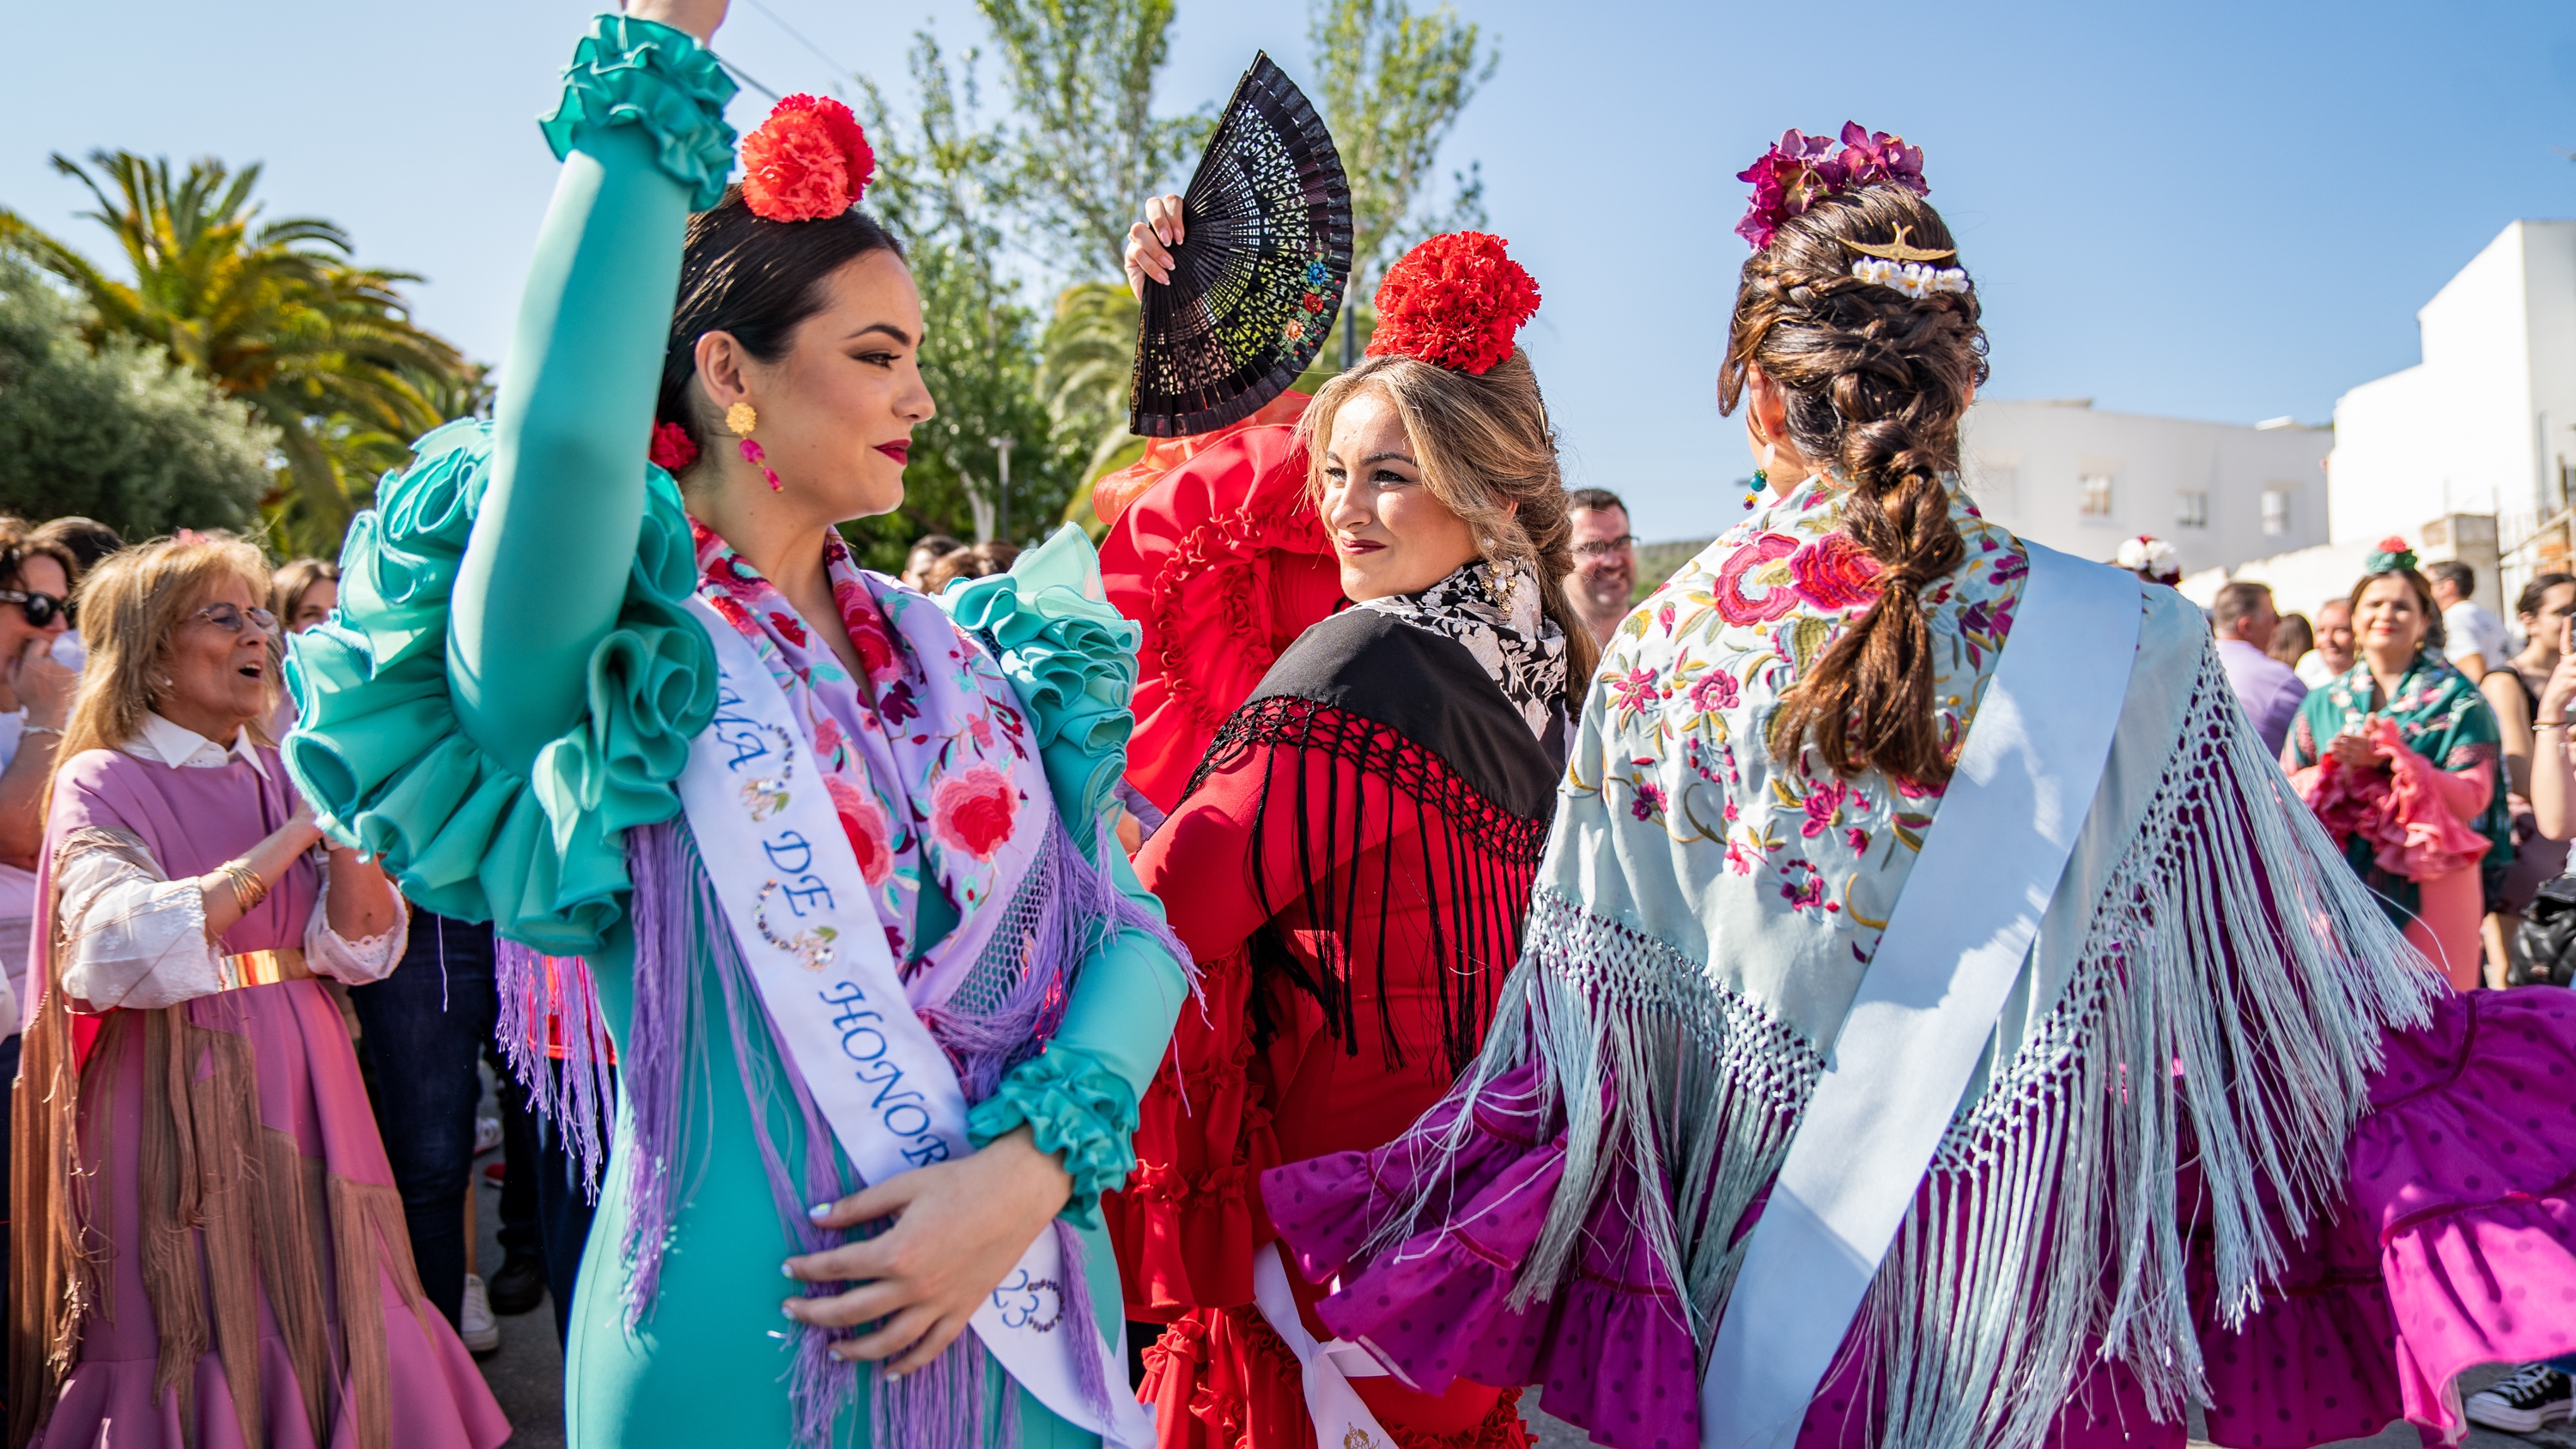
1605	561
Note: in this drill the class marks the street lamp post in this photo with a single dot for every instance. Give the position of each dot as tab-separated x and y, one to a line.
1002	450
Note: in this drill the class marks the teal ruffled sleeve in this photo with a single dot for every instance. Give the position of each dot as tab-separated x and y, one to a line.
379	752
1072	660
1074	1107
639	73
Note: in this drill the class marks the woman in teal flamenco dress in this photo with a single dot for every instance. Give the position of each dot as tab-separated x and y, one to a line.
600	700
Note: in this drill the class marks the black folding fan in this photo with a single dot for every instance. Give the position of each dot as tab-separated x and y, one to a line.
1257	279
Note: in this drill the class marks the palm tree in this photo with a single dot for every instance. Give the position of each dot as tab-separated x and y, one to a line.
274	312
1086	360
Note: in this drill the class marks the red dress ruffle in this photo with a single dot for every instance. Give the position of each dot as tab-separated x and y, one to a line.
1222	563
1233	1099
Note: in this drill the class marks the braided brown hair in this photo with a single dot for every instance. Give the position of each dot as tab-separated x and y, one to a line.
1876	382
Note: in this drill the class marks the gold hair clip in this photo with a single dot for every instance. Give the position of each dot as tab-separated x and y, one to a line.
1898	251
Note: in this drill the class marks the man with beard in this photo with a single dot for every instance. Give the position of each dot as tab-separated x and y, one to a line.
1604	580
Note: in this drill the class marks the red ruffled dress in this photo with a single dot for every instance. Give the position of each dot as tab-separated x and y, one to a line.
1351	869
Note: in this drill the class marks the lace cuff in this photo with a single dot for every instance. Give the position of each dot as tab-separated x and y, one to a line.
1076	1108
353	961
636	72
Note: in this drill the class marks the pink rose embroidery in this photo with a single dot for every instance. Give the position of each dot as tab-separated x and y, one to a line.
868	635
1834	573
974	811
735	615
1770	598
865	824
1712	691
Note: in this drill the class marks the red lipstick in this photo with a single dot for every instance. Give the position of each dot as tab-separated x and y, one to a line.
900	450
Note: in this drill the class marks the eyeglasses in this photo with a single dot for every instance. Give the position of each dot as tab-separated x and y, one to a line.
1603	548
40	609
231	620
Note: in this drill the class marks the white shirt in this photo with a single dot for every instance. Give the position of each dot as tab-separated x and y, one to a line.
163	743
132	938
2471	629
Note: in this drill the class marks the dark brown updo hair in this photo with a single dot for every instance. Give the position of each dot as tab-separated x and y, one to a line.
1876	382
756	279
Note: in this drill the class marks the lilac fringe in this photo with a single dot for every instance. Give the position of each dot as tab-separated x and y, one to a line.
549	1002
1080	907
679	923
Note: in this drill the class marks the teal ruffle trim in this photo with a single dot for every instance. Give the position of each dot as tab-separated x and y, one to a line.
1076	1108
635	72
1071	659
379	752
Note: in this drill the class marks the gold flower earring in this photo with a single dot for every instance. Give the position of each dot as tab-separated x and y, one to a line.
740	419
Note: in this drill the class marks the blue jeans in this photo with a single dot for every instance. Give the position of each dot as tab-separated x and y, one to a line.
426	1025
563	1210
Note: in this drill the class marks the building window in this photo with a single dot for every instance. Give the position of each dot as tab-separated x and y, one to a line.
1997	491
2191	508
2276	512
2095	489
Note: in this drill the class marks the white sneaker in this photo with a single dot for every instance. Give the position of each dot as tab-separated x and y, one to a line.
2524	1400
487	1134
475	1324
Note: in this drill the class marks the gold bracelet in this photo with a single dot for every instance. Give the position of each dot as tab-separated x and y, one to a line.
248	889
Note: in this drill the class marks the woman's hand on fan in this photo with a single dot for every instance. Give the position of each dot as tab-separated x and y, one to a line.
1149	242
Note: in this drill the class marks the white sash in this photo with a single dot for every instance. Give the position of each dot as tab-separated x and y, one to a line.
792	892
1926	1009
1341	1420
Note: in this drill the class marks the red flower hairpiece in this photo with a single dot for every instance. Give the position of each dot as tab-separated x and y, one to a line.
1456	301
673	449
808	160
1800	170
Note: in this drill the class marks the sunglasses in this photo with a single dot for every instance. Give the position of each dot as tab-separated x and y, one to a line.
1604	548
40	609
231	620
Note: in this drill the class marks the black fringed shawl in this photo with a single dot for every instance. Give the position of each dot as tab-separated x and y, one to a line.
1467	800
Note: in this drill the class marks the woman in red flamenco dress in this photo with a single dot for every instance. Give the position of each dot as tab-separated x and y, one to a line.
1350	861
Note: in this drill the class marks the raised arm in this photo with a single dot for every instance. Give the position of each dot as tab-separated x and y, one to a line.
642	137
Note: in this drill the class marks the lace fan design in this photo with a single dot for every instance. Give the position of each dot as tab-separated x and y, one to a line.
1259	275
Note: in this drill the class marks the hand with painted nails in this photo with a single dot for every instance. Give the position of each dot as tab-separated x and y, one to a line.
958	1228
1149	243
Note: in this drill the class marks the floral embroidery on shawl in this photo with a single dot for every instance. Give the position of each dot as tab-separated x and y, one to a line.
1695	675
927	758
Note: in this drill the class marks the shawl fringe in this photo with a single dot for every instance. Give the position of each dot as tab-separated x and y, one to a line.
231	1212
2207	1014
1480	886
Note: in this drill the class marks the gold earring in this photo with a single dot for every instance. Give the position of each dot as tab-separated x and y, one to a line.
740	419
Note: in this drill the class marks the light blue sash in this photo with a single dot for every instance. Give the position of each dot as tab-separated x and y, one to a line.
1926	1009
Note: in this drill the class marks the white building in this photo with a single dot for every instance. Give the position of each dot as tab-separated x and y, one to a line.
2486	423
2080	481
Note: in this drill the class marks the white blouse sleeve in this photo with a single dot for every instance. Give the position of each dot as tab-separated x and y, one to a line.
131	939
368	958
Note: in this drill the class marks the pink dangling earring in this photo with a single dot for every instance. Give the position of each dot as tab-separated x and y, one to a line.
741	420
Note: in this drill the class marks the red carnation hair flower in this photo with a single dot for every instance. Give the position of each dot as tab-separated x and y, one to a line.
673	449
1456	301
808	160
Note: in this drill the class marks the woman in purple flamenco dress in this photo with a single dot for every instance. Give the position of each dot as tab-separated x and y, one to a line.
2114	1112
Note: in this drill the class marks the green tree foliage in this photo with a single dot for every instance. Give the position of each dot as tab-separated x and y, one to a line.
1089	148
1394	83
323	351
979	353
1087	358
118	431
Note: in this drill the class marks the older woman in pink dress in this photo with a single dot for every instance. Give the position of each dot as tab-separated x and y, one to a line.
215	1253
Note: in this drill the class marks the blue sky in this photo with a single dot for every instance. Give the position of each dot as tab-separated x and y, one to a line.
2207	210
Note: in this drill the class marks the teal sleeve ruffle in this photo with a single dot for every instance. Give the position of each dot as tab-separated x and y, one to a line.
1071	659
639	73
1074	1107
379	752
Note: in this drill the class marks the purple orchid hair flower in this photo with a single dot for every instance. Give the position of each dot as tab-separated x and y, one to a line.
1800	170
